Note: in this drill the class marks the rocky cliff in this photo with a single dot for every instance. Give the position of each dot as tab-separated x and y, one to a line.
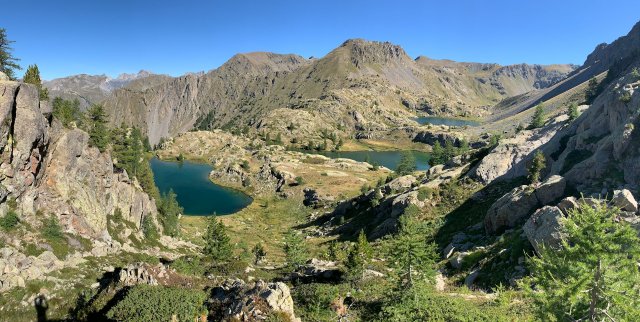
48	169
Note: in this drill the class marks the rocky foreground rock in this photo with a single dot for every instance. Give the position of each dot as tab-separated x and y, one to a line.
515	206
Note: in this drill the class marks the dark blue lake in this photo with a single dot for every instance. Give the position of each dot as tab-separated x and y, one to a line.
444	121
195	192
388	159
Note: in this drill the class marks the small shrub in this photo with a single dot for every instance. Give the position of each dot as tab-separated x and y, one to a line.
51	228
299	181
425	193
158	303
625	97
9	221
189	265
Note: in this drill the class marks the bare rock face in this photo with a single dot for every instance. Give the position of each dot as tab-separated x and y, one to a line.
53	170
399	184
544	227
3	77
81	187
316	200
239	301
431	137
24	137
135	274
509	159
516	205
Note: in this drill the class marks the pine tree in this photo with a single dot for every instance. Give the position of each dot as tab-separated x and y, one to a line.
437	154
538	119
8	63
572	111
464	147
217	243
594	275
407	164
537	165
97	127
66	111
411	255
359	255
294	249
170	212
592	90
259	253
32	76
449	150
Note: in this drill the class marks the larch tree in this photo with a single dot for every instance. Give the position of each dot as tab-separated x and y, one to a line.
593	275
8	63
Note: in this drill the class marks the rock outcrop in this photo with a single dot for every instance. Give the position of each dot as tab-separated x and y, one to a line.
16	268
81	187
511	157
237	301
544	227
516	205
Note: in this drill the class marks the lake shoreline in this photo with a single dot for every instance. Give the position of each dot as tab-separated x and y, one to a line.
249	198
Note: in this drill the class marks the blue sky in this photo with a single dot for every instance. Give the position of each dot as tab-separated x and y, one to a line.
175	37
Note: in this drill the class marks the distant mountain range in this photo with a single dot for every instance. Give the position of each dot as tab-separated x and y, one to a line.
360	88
91	88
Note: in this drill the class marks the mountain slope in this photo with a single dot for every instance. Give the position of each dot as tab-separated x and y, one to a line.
361	88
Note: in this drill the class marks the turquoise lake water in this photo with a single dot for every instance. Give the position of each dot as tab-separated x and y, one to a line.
388	159
444	121
195	192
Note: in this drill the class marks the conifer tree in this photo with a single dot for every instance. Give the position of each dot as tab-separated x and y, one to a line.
407	164
8	63
32	76
97	127
217	243
593	276
449	151
170	211
437	154
359	255
592	90
537	165
538	119
572	111
67	111
413	260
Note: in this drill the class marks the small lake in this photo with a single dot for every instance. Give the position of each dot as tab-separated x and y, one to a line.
444	121
388	159
195	192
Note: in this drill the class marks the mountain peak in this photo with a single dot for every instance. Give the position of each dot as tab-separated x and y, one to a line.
368	51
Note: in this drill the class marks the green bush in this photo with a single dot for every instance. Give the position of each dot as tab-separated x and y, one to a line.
431	306
149	229
425	193
51	228
189	265
9	221
156	303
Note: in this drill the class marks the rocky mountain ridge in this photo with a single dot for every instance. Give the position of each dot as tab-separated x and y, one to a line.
375	79
90	89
